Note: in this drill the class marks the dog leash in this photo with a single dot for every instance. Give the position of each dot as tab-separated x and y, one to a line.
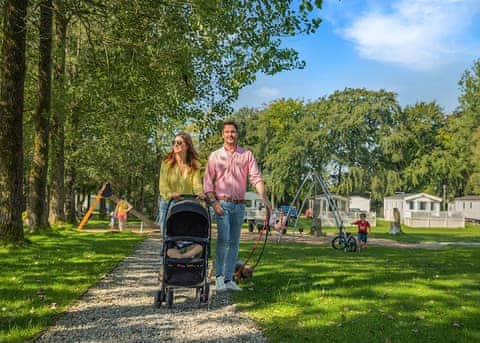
265	229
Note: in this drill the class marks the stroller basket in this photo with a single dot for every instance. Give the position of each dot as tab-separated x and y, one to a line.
185	272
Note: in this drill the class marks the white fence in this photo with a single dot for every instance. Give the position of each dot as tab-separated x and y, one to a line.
427	219
347	217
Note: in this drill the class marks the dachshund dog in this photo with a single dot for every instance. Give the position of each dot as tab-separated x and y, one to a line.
242	272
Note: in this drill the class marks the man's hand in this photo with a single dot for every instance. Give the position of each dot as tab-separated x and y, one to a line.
175	196
268	208
260	187
217	207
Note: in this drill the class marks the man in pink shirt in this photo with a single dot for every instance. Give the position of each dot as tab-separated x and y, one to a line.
225	184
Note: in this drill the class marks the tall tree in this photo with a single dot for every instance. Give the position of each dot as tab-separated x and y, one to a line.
470	107
57	129
11	120
38	174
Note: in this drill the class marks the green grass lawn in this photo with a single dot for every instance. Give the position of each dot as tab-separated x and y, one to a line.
313	293
471	233
39	281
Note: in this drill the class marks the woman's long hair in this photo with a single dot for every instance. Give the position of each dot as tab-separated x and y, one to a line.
193	160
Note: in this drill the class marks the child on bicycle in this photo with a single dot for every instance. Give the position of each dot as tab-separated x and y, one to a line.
363	229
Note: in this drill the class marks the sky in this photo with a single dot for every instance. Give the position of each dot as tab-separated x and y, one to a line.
418	49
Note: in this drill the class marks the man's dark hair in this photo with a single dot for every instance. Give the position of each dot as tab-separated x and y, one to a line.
230	122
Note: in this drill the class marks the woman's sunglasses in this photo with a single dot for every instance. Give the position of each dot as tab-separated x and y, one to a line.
175	142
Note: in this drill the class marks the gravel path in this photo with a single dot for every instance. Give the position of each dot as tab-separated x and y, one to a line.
119	309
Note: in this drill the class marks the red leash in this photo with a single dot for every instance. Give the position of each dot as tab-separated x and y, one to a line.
265	229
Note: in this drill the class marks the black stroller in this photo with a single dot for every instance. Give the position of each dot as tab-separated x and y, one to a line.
186	221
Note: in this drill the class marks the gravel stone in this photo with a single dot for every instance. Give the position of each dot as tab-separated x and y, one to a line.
119	308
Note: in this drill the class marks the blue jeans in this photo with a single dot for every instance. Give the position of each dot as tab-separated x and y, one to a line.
228	238
163	212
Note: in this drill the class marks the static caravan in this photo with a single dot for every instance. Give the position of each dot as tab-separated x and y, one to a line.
468	205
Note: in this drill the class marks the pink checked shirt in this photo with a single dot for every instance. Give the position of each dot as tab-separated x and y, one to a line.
227	173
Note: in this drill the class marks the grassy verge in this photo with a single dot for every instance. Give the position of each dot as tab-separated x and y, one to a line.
471	233
39	281
314	293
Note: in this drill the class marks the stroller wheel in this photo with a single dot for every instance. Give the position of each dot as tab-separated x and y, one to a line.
170	298
158	298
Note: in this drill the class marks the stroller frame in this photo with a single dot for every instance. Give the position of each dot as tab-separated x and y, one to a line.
166	291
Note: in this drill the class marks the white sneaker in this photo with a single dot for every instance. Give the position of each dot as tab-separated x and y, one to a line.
231	285
220	284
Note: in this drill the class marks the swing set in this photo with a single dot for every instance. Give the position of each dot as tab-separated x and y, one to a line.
343	240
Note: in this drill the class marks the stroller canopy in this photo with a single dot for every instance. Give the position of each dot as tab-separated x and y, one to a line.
188	218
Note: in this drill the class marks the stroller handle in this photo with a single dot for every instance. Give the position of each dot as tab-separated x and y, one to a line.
187	197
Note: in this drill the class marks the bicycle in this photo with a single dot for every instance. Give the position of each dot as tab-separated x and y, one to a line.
344	241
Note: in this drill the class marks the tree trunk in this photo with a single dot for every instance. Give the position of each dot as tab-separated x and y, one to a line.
103	208
142	194
70	208
38	173
316	228
11	121
339	175
57	133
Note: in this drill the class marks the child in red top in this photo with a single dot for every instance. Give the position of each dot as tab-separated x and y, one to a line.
363	230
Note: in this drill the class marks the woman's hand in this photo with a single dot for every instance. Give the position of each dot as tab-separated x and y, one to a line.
175	196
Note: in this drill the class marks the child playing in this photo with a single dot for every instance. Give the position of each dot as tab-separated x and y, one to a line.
123	206
112	220
363	230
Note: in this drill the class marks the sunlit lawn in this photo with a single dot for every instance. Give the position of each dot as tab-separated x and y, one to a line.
39	281
314	293
98	223
471	233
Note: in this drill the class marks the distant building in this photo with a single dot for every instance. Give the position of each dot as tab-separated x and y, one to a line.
410	202
468	206
359	203
420	210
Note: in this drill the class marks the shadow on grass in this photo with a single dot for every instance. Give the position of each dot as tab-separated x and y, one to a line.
55	269
314	293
